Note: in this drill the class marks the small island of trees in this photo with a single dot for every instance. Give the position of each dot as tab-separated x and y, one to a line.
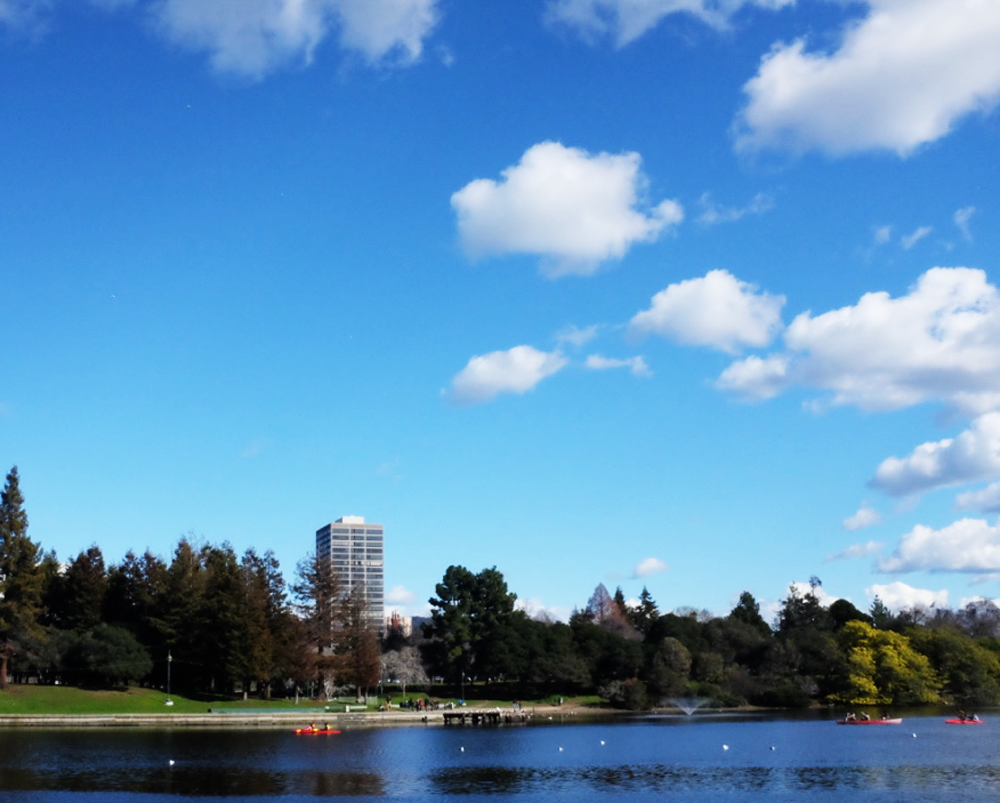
211	622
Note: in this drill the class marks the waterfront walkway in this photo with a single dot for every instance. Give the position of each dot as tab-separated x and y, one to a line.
267	719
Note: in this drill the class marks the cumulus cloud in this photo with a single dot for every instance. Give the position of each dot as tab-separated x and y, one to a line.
648	567
940	342
627	20
380	28
254	37
712	213
822	596
516	370
400	595
856	551
986	500
637	365
901	77
971	457
865	517
718	310
967	545
899	596
572	208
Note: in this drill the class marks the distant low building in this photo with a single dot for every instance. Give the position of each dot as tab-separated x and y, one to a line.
356	553
396	622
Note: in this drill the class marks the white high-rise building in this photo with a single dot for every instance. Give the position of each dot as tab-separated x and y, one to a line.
356	554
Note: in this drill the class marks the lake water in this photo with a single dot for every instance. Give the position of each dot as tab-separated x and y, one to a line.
701	758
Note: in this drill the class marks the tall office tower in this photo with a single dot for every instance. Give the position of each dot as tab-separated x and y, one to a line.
355	552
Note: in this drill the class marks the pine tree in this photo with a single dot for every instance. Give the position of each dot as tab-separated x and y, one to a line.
21	577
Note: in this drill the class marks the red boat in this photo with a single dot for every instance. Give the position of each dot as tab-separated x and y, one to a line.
963	721
882	721
315	731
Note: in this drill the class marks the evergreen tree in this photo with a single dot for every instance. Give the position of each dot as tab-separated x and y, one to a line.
84	586
469	620
21	578
747	611
136	589
359	656
316	592
222	624
881	615
645	614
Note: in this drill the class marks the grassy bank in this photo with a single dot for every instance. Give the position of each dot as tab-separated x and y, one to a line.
32	699
69	700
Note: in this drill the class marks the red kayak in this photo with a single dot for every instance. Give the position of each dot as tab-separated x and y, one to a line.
883	721
315	731
963	722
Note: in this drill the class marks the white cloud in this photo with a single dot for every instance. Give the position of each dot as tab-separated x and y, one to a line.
516	370
822	596
570	207
902	77
379	28
986	500
882	235
712	213
940	342
911	240
856	551
648	567
865	517
967	545
971	457
900	596
27	17
627	20
400	595
577	336
962	218
718	310
254	37
537	609
637	365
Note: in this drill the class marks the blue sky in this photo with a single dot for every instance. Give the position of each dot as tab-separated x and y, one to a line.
696	295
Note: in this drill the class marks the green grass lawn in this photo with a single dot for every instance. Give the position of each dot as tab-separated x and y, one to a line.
32	699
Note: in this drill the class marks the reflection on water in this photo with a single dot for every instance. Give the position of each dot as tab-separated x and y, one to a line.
698	759
661	779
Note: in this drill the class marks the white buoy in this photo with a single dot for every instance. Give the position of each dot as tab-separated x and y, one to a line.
171	762
772	747
725	747
462	749
602	741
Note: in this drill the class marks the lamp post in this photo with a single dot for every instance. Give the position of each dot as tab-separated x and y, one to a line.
169	661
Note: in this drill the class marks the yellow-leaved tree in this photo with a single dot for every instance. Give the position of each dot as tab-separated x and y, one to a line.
882	668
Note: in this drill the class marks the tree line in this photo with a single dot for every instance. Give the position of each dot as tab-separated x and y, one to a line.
206	622
637	657
211	622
